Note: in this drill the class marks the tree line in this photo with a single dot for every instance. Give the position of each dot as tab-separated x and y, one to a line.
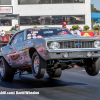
94	9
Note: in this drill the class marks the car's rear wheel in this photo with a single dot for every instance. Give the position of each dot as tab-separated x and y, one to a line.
93	67
55	74
6	72
38	66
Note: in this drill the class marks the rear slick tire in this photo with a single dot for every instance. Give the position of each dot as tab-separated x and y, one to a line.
6	72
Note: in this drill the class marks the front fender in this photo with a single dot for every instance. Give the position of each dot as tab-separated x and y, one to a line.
35	45
40	46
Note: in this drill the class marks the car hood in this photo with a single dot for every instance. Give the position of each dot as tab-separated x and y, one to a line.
71	37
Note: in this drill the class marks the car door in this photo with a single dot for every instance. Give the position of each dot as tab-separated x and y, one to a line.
16	50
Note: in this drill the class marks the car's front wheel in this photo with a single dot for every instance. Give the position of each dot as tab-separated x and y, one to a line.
93	66
6	72
39	66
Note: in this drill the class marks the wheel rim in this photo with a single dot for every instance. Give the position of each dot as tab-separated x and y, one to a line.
2	69
36	64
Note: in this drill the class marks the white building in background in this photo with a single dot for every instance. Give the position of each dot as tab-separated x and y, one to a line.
30	13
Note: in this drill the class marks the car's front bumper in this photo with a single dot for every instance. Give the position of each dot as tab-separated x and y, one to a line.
72	53
74	50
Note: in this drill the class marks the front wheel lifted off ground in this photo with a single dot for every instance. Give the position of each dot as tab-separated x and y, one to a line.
93	66
39	66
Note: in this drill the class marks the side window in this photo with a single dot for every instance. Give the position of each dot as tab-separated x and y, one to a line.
14	40
18	38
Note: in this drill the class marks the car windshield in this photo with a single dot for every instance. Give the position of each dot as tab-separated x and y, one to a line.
45	33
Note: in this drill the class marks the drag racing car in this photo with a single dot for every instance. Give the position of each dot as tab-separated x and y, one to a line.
51	50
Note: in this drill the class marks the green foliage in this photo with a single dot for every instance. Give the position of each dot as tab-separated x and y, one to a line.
35	26
86	27
97	22
94	9
12	28
95	27
74	27
45	26
92	20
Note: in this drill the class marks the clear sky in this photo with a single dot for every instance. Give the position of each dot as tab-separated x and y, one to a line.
96	4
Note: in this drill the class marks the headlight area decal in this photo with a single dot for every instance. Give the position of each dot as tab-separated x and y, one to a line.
41	50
